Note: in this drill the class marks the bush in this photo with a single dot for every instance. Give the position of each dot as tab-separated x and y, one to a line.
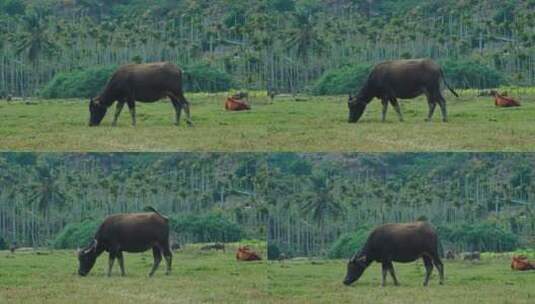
76	235
348	243
481	236
78	84
3	244
12	7
203	77
273	252
471	74
90	82
344	80
207	228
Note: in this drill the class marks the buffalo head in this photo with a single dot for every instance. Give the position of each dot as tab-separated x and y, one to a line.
87	258
97	111
355	267
356	108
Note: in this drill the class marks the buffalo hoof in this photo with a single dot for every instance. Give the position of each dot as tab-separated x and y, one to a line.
190	124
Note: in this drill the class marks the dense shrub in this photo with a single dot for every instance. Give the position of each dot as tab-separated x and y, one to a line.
459	73
12	7
3	244
344	80
348	243
471	74
203	77
273	252
76	235
212	227
90	82
80	84
481	236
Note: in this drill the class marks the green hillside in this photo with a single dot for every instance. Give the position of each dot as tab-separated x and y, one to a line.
282	45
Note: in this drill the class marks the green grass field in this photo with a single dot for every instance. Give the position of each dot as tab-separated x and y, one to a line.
315	125
197	277
488	281
216	277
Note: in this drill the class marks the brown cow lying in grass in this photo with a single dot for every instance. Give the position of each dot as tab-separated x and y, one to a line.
233	104
500	100
247	254
521	263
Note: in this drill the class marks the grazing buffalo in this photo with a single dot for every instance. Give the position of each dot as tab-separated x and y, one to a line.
401	79
397	243
136	232
140	82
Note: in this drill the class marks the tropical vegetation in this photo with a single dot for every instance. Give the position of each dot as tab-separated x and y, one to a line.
281	45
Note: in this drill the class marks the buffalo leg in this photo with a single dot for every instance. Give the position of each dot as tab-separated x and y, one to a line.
168	255
118	110
385	108
185	105
132	107
393	273
442	104
384	271
157	259
121	262
440	268
110	262
432	106
428	263
395	104
178	108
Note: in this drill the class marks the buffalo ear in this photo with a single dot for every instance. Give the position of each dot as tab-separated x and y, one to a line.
356	258
92	247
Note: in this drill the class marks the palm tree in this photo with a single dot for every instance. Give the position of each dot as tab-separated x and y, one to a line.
320	204
305	39
46	193
35	39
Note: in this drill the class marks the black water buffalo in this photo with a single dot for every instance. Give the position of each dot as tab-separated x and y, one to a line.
135	232
397	243
142	82
401	79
